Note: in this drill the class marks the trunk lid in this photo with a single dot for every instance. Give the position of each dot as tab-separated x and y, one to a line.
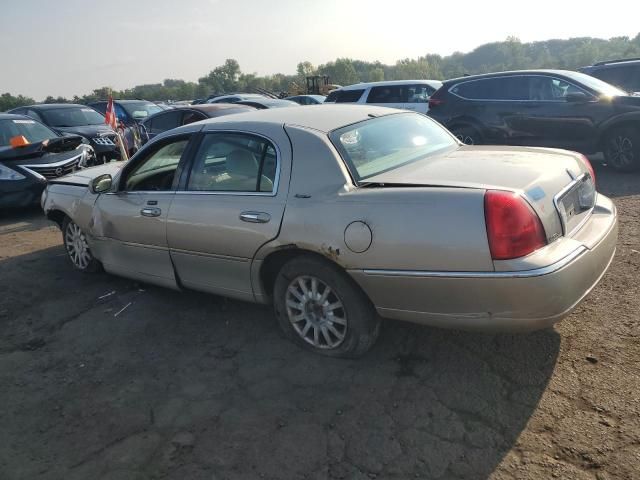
539	174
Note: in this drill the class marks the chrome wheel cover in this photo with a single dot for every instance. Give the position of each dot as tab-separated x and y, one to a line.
316	312
621	151
77	246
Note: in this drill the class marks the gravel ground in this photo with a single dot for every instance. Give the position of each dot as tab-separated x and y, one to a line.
146	383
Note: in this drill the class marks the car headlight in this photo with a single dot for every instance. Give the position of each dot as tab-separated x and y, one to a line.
7	173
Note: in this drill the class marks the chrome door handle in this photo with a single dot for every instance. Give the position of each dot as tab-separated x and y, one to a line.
150	212
255	217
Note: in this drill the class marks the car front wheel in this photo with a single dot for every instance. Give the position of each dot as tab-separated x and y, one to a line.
321	309
622	149
75	243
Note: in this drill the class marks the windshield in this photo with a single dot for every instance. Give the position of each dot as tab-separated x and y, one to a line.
72	117
33	131
598	85
141	110
386	143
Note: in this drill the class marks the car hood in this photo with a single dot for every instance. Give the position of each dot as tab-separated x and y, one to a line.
84	177
87	131
50	151
537	173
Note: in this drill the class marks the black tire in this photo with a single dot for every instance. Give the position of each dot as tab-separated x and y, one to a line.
81	259
622	148
356	320
467	134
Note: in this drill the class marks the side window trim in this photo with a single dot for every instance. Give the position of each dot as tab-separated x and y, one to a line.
185	173
591	96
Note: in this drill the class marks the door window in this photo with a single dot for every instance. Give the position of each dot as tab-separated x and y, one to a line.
550	89
165	121
499	88
419	93
157	171
348	96
190	117
229	162
388	94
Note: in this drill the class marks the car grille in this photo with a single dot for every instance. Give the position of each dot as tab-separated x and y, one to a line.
55	170
107	140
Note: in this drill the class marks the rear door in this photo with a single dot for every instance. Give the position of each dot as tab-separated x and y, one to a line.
230	202
130	225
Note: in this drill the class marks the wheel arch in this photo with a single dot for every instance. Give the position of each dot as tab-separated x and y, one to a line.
57	216
275	260
621	122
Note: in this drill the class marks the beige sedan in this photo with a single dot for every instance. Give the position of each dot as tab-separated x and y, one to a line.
340	215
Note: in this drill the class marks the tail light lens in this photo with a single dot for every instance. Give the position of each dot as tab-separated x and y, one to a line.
513	228
434	102
437	98
589	167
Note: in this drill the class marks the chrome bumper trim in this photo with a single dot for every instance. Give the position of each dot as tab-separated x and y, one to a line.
537	272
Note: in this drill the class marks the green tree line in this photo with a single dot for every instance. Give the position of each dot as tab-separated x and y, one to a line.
511	54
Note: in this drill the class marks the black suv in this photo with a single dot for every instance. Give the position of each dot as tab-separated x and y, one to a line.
621	73
544	108
72	119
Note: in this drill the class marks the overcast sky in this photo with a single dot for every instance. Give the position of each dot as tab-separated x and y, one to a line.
67	47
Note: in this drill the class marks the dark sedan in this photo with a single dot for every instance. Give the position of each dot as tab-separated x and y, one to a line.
176	117
543	108
73	119
30	154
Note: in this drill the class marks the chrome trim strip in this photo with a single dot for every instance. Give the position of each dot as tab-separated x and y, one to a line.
590	95
537	272
209	255
56	164
33	172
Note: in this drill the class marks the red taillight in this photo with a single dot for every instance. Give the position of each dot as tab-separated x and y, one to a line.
513	228
434	102
587	164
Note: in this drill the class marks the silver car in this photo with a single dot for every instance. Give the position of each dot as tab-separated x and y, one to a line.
344	214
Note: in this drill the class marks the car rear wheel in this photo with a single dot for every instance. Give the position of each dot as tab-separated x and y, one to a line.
622	149
321	309
467	134
75	243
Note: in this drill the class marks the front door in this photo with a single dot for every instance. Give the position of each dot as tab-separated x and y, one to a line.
549	120
230	203
130	225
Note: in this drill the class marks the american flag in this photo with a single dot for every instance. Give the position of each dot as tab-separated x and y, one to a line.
110	117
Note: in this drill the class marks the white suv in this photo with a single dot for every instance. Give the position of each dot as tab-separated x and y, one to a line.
407	94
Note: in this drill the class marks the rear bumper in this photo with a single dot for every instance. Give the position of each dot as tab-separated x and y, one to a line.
498	301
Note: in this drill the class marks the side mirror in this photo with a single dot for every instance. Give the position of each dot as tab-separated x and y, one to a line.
576	97
101	184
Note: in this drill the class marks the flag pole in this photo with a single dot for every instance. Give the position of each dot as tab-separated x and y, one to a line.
123	151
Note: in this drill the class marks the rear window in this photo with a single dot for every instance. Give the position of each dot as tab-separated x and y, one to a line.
385	143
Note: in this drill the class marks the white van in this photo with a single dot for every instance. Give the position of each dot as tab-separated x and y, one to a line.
407	94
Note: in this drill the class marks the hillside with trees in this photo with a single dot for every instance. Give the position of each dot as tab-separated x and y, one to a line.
511	54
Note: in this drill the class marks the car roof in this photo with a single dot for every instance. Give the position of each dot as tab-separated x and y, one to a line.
123	101
212	109
358	86
564	73
325	118
269	102
50	106
13	116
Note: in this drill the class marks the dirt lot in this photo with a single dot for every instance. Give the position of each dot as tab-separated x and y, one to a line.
189	386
